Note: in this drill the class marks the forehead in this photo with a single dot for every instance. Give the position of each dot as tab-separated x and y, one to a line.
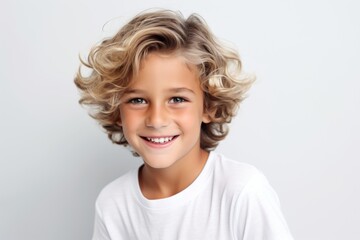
175	57
160	69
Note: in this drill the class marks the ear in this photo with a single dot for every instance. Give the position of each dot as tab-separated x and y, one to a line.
206	118
119	123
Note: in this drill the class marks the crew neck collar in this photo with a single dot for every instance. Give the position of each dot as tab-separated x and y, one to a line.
180	198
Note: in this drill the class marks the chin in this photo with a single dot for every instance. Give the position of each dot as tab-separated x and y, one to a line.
158	162
158	165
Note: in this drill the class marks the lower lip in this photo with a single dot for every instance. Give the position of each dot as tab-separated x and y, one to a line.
160	145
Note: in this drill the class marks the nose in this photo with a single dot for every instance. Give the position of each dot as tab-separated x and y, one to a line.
157	116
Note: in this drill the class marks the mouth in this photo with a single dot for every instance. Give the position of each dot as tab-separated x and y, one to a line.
160	140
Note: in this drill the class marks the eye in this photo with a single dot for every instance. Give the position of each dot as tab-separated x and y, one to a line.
137	101
177	100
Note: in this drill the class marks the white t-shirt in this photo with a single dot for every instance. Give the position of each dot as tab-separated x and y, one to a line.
228	200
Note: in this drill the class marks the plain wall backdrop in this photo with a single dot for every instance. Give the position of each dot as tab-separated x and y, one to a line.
299	125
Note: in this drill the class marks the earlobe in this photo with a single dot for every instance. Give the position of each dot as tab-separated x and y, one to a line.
119	123
206	118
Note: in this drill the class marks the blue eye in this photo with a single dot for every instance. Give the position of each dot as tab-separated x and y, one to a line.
177	100
137	101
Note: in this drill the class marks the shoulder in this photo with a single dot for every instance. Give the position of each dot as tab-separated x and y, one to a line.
113	199
255	206
239	180
116	190
234	175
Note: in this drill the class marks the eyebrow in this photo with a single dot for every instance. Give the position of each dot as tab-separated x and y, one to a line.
174	90
182	89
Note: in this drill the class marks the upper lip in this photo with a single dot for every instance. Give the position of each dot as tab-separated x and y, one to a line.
164	136
161	139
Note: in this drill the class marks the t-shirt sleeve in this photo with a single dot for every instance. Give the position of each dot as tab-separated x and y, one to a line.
100	231
259	213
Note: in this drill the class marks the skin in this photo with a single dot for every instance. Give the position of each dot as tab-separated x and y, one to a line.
161	115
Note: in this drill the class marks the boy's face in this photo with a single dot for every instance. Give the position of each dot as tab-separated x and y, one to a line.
162	111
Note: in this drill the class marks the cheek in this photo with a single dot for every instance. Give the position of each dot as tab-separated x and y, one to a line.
128	119
189	118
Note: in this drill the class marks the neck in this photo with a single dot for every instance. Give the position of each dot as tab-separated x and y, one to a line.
161	183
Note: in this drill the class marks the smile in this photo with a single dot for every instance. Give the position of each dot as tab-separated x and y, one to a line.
160	140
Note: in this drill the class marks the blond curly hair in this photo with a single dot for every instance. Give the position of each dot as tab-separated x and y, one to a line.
115	60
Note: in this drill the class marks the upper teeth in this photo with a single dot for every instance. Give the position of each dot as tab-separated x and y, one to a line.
160	140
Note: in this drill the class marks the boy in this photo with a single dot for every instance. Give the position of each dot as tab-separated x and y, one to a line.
164	86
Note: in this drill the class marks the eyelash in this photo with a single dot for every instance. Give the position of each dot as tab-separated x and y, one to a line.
174	100
178	99
136	100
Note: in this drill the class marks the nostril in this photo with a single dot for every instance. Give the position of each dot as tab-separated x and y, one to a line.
157	118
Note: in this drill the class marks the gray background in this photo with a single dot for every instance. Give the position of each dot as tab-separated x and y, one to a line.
300	124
